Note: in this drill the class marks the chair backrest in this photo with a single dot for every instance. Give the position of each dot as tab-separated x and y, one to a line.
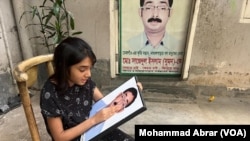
25	74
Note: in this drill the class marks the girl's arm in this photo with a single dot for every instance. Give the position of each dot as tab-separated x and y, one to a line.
56	126
97	94
59	134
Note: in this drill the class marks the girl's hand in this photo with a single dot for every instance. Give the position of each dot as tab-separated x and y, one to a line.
139	84
118	103
104	114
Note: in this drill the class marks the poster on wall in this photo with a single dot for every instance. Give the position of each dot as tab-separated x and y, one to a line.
153	35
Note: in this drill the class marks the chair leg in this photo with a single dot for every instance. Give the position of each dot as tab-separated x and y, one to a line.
29	113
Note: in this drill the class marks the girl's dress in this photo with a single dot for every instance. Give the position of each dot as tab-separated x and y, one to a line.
73	107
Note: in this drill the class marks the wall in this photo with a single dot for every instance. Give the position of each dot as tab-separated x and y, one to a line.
221	46
92	17
10	51
220	52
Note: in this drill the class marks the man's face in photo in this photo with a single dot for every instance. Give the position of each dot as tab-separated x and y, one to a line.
155	15
123	99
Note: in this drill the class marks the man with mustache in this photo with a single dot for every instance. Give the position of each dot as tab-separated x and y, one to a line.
154	15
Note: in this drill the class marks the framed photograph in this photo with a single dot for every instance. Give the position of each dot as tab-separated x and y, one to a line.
130	99
153	36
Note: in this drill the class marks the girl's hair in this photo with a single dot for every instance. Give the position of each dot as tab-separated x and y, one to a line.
69	52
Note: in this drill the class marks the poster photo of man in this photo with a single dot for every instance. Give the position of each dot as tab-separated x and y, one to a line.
153	36
130	102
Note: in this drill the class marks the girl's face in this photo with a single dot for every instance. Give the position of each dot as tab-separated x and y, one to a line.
79	73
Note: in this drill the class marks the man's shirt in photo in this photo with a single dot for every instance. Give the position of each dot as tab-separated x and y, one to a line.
95	130
168	43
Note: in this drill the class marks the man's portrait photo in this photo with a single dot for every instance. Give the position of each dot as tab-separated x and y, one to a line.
153	35
127	97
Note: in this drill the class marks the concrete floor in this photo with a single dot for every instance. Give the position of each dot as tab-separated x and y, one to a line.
223	110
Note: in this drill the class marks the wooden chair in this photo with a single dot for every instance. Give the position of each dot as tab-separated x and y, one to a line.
25	74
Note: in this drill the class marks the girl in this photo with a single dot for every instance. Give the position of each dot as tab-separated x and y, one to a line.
66	97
